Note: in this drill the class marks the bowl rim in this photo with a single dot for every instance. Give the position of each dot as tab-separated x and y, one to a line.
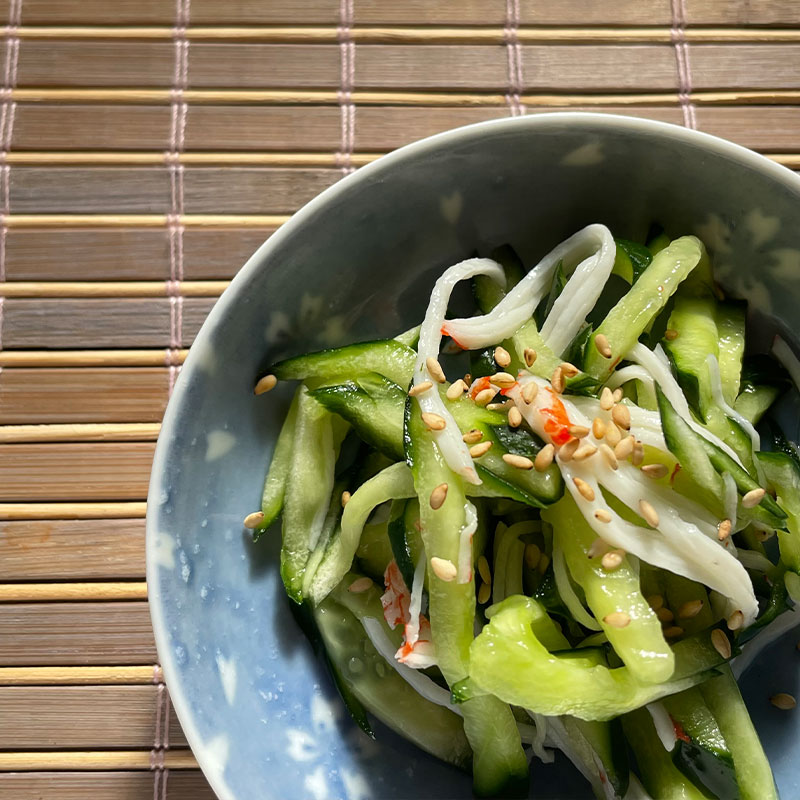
715	145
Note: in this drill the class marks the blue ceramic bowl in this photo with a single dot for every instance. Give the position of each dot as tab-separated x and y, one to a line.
357	262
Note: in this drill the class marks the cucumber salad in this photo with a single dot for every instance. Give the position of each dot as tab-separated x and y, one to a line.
577	545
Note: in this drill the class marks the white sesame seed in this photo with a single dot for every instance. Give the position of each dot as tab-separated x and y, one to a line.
724	530
617	619
617	394
753	498
585	490
419	388
721	643
502	379
598	428
532	555
345	498
483	569
612	560
569	370
602	345
544	458
478	450
557	380
484	593
578	431
613	436
601	515
360	585
520	462
664	615
673	632
438	496
485	396
514	417
783	701
606	399
455	390
444	569
568	450
655	471
585	451
433	421
529	391
624	448
608	456
266	384
472	436
597	548
435	369
529	354
253	520
544	563
621	416
649	514
638	454
690	609
502	357
735	620
655	601
670	335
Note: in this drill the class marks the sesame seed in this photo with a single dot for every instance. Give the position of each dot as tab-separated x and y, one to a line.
433	421
567	450
617	394
608	456
529	391
435	369
721	643
266	384
468	379
753	498
612	560
578	431
649	514
444	569
606	399
544	563
655	471
664	614
613	436
485	396
502	379
514	417
617	619
472	436
724	530
456	390
621	416
483	569
478	450
438	496
598	547
502	357
783	701
502	407
638	454
735	620
544	458
624	448
585	490
360	585
484	593
670	334
655	601
585	451
569	370
690	609
253	520
345	498
673	632
520	462
532	555
602	345
601	515
557	380
598	428
419	388
529	354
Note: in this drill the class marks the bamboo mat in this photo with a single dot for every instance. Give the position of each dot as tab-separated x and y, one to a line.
147	147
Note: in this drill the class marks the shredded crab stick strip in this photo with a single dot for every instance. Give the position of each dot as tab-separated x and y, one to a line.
582	291
427	371
518	305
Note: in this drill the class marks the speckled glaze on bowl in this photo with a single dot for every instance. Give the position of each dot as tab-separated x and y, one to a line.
357	262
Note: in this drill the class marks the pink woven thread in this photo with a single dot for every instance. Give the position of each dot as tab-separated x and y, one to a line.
514	59
347	71
177	138
683	62
7	114
161	742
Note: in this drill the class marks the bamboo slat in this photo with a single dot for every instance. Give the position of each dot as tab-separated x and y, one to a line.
44	717
89	289
91	358
19	761
72	510
65	634
72	550
143	220
80	676
98	471
86	432
184	784
83	396
72	592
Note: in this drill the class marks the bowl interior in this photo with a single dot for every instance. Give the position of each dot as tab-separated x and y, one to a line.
357	263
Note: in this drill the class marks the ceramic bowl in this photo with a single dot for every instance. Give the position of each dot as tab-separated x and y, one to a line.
357	262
